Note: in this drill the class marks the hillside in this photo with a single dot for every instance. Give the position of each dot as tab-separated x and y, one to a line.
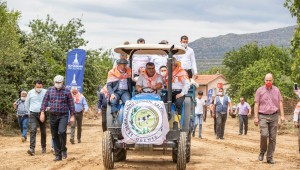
210	51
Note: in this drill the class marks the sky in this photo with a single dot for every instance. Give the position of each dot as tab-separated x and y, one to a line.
111	22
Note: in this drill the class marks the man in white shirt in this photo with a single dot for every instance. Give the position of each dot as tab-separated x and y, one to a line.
149	81
159	60
139	61
180	85
188	61
199	110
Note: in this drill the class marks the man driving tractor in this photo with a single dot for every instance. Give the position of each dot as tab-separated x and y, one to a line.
150	81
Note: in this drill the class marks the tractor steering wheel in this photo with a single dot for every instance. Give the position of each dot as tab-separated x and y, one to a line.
149	90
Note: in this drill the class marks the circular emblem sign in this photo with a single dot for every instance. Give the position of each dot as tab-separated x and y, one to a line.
143	121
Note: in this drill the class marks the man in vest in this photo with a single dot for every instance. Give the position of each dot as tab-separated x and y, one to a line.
221	104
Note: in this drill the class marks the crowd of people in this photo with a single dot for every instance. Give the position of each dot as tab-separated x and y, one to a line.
64	106
149	75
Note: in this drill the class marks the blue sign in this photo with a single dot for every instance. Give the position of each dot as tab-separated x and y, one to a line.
209	95
75	69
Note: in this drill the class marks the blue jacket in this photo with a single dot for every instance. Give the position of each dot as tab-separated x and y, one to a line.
219	106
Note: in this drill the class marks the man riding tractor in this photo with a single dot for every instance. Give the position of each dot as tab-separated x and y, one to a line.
150	82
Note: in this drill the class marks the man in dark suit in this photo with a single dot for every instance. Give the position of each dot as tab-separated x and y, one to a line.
119	84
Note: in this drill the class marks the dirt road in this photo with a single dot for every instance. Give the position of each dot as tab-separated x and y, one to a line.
235	152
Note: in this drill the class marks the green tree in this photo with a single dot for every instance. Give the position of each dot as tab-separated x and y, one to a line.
97	66
294	7
46	48
11	70
248	66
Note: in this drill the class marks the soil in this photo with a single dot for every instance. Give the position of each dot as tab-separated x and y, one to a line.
235	152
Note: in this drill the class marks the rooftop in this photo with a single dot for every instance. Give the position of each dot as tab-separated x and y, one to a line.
206	79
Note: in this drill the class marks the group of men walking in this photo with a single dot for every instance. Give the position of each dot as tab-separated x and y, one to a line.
63	107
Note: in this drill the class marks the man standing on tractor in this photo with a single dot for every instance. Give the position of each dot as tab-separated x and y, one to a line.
151	80
119	85
180	85
187	60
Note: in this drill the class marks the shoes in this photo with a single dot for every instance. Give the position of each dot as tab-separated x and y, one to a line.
200	137
57	158
64	154
79	141
72	141
217	137
261	157
222	138
270	161
240	134
30	152
23	139
193	134
43	151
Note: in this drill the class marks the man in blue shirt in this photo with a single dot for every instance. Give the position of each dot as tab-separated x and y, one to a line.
22	114
80	107
33	105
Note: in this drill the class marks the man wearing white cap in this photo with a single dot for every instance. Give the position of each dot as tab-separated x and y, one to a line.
60	101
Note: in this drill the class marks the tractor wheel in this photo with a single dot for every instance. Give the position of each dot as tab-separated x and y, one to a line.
181	156
174	155
188	148
107	150
120	154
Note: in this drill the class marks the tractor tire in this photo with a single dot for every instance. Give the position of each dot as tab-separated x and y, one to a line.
174	155
120	154
107	150
181	156
188	148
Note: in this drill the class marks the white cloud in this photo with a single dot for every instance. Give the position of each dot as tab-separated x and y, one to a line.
109	23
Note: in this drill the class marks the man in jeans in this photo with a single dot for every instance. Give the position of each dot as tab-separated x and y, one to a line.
22	114
199	110
268	102
244	110
80	107
59	99
222	103
33	104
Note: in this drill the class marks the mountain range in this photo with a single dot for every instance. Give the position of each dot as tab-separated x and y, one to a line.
209	52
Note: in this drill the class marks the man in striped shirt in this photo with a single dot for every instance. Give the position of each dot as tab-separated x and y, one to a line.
60	101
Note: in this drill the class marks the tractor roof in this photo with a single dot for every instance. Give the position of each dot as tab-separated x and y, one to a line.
159	49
